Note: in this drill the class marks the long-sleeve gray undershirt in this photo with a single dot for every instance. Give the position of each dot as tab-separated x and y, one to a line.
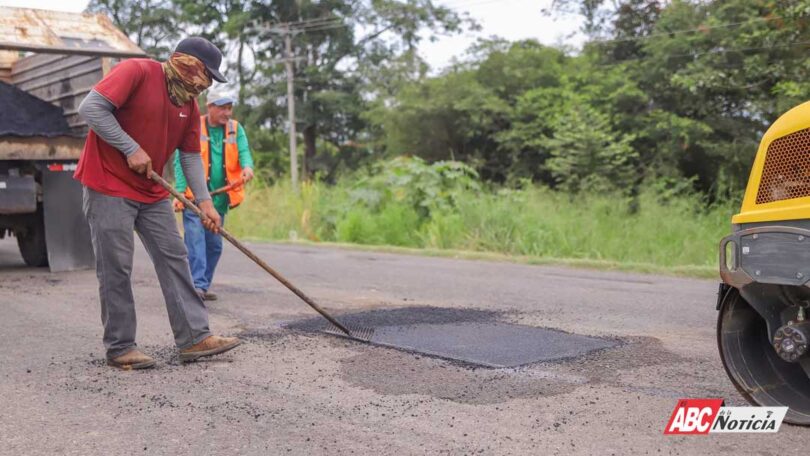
97	111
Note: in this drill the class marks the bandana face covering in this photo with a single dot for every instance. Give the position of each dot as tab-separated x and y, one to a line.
186	77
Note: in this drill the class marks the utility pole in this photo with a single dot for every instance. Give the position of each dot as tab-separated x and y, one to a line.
288	63
288	60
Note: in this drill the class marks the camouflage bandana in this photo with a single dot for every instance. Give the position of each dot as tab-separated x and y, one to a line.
186	77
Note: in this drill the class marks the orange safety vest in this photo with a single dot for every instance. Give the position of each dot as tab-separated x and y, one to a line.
233	170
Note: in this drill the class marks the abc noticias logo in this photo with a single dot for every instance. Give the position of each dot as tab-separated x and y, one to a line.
704	416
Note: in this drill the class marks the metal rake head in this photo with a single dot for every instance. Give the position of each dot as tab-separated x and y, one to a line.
360	333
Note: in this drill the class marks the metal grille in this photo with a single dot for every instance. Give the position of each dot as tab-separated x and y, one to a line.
786	174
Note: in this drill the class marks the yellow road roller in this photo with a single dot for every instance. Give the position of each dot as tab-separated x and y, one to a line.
763	326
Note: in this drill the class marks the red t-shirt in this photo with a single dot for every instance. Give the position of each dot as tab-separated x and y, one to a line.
137	88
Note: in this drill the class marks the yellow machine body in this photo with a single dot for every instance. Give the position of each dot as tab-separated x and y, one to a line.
779	185
763	329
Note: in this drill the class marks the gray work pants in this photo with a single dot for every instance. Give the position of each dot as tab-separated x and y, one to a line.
112	222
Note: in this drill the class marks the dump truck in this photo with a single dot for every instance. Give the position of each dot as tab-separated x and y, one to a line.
49	61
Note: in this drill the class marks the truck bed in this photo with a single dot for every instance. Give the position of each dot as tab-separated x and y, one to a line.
40	148
29	115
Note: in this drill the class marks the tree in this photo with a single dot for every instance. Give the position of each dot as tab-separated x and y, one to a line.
453	117
230	25
468	113
151	24
730	66
340	47
593	11
715	75
586	155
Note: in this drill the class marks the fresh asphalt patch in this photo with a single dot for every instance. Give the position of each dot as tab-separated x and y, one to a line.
469	336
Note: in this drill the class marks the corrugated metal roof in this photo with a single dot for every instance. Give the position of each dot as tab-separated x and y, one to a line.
56	32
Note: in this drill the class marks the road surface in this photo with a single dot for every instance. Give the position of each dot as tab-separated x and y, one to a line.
289	392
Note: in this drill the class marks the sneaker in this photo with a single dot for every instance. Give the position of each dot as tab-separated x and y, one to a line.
208	296
130	360
212	345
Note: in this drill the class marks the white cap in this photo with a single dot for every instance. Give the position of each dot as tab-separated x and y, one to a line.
218	98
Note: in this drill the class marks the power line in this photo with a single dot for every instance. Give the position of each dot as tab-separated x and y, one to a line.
335	20
327	27
702	28
314	20
326	23
717	51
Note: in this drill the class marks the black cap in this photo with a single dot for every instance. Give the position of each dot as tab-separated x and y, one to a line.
204	50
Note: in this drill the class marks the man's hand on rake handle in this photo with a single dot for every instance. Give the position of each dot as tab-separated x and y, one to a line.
205	210
140	162
212	220
179	206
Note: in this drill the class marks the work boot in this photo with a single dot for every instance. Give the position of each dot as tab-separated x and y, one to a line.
208	296
132	359
211	345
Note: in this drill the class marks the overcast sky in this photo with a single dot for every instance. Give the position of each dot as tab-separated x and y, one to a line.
510	19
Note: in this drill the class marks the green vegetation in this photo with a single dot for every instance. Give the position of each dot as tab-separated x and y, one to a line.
675	91
635	147
411	204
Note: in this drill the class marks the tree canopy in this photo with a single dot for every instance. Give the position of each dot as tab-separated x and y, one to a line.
662	90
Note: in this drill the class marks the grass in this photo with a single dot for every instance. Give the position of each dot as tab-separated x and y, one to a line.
534	225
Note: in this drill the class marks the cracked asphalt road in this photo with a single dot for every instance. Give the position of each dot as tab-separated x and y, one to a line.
293	392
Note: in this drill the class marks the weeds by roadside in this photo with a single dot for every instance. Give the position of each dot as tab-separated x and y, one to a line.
442	206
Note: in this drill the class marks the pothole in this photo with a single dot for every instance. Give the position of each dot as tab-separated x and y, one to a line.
394	372
397	373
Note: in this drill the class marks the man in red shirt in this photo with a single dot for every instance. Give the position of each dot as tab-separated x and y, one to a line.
138	115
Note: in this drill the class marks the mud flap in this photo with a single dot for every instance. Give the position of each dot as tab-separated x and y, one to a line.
18	195
66	231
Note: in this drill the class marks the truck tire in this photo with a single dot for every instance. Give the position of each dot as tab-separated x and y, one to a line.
32	243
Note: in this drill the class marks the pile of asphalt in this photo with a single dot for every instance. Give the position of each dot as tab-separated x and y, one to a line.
24	115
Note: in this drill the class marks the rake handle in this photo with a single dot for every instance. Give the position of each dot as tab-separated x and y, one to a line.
228	187
236	243
224	189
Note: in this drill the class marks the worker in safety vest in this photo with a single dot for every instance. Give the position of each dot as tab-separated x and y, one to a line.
228	166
